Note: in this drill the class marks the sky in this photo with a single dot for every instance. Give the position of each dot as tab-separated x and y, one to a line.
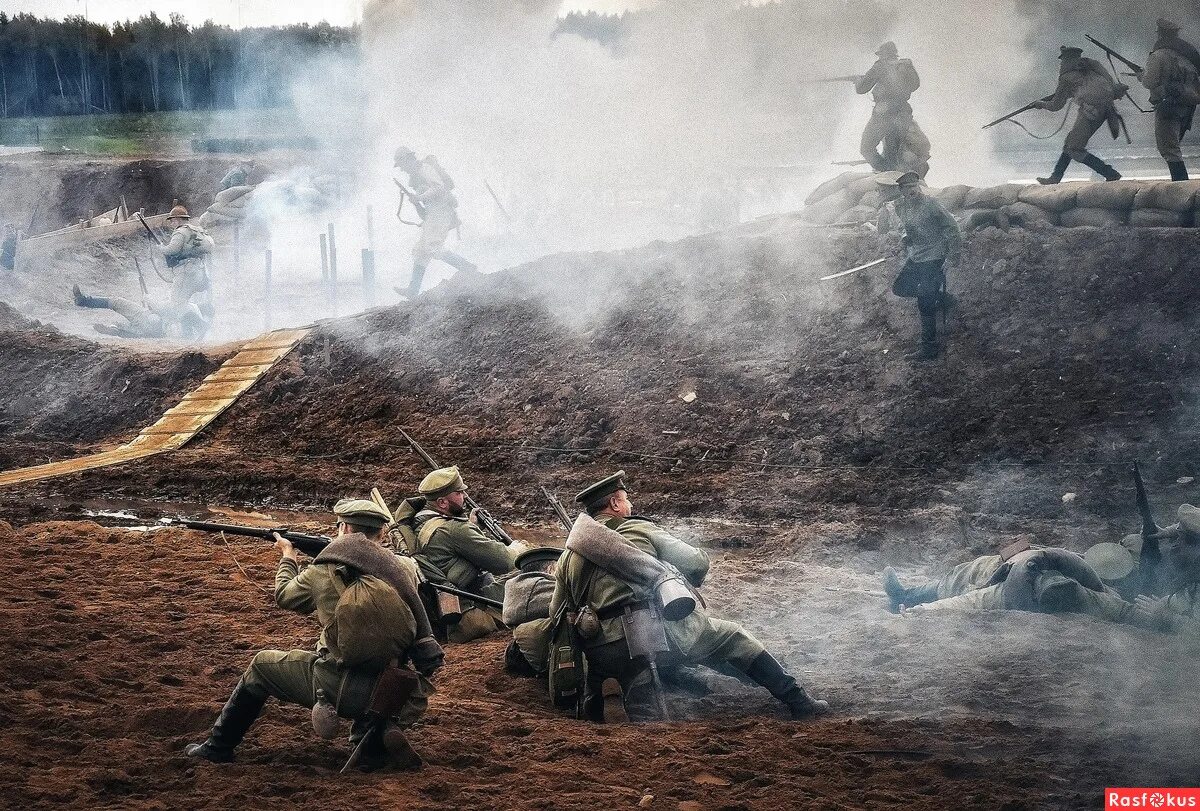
241	12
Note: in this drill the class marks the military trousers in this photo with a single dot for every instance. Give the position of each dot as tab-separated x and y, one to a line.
926	282
439	221
1087	121
1169	124
476	623
889	125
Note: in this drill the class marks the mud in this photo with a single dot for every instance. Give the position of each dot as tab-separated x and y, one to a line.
811	455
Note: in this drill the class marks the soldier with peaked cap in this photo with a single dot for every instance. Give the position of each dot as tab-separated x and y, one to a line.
931	238
597	600
451	545
1094	91
295	676
891	82
1172	75
433	192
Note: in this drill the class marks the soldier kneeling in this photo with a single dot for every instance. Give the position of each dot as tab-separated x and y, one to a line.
373	627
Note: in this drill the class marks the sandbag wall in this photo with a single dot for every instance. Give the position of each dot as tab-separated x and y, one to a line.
856	197
231	206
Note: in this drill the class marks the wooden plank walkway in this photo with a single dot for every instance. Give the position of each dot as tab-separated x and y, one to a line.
194	413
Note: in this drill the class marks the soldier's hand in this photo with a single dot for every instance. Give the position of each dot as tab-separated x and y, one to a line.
1151	605
473	518
1038	105
285	547
518	547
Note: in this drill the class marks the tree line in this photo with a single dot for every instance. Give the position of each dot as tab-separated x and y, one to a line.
73	66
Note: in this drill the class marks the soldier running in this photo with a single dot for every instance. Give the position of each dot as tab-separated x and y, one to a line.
891	81
433	196
1172	75
598	602
1094	91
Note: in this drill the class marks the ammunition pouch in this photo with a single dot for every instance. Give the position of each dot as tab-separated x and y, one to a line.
449	607
586	622
566	667
392	691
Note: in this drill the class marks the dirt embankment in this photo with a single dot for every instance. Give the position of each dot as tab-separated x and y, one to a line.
60	394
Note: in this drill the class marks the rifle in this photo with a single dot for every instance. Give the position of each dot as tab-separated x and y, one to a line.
865	266
496	200
832	79
310	545
141	278
489	525
558	507
1015	113
1133	66
417	206
1151	554
149	230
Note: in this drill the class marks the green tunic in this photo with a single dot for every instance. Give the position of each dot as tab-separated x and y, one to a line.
695	638
462	554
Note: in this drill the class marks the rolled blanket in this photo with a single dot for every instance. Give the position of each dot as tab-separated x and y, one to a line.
649	577
527	597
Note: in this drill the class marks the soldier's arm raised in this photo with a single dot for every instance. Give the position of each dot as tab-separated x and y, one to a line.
1066	87
864	85
174	245
293	590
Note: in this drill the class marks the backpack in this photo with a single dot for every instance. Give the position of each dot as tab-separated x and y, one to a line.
371	626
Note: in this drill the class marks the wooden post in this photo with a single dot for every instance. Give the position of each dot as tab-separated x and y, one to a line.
368	267
325	258
332	254
267	291
371	229
237	250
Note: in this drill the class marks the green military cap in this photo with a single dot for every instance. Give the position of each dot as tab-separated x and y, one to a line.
1069	52
1166	25
1112	561
532	560
441	482
602	489
1189	519
361	512
887	49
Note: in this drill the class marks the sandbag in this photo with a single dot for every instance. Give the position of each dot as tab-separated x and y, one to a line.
1029	214
1116	195
829	187
1168	195
863	184
992	196
952	197
527	597
1097	217
233	193
971	219
1155	218
859	213
873	199
1056	198
829	209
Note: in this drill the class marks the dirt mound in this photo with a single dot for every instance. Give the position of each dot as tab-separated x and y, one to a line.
129	641
59	394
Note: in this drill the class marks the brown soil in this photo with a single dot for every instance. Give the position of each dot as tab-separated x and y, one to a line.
810	442
124	644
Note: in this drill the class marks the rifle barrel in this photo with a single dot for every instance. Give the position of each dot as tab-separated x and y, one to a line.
559	509
310	545
460	593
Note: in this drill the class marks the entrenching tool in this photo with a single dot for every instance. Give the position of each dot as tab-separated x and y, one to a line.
867	266
490	525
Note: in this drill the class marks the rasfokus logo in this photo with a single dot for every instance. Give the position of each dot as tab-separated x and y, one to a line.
1151	798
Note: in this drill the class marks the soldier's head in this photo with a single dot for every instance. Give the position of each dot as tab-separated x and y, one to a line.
445	491
178	215
1166	28
887	50
909	184
1069	56
404	158
360	515
609	495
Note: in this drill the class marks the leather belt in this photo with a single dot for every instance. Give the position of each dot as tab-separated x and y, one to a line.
618	610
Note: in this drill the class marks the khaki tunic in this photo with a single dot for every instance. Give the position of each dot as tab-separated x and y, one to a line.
1106	605
441	211
294	676
1165	70
465	556
695	638
1092	87
969	576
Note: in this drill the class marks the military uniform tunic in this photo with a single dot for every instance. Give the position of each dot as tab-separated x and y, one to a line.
1094	91
1167	76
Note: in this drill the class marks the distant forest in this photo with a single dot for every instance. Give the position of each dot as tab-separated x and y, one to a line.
72	66
76	67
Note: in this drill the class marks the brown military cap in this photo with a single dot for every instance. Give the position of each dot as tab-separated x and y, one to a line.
602	489
361	512
1069	52
441	482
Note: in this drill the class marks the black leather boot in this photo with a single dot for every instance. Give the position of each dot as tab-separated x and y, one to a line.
1100	167
91	302
1060	169
238	715
767	672
1178	170
907	597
